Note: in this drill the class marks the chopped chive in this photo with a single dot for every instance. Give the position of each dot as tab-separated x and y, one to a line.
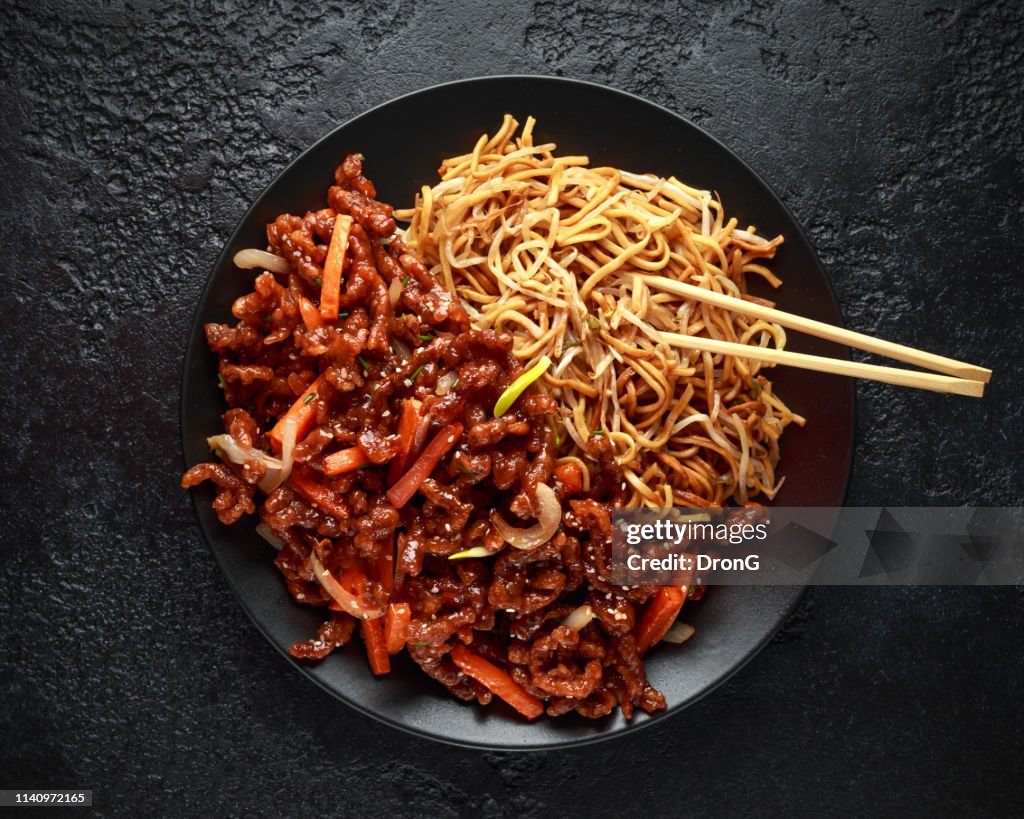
405	281
267	318
309	398
421	643
419	369
251	409
455	383
426	337
319	282
464	470
343	314
362	363
221	382
599	432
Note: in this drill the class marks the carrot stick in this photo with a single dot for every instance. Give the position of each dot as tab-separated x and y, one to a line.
327	500
352	580
330	291
497	681
402	491
310	315
384	567
345	460
376	649
347	591
304	409
659	616
571	477
407	424
396	626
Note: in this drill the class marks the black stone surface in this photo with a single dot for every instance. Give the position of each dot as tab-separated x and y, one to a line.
133	137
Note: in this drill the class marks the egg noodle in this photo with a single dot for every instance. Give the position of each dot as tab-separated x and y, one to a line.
551	249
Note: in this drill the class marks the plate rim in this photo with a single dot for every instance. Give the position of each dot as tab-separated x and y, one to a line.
634	725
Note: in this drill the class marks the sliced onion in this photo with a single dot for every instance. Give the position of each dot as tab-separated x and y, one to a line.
348	601
476	551
289	434
678	633
265	532
579	618
400	348
419	438
542	531
446	382
395	291
251	257
238	454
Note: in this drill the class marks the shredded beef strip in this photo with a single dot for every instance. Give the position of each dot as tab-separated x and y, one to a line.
382	353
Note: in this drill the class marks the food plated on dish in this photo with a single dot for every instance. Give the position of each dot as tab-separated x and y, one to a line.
436	424
731	622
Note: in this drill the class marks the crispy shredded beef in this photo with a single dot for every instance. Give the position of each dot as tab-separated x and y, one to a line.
379	355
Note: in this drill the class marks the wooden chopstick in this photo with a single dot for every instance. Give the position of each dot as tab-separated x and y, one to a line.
874	372
850	338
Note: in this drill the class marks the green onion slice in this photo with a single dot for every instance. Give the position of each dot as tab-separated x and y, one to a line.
476	551
516	388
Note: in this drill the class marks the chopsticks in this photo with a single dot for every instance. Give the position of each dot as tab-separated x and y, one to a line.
960	379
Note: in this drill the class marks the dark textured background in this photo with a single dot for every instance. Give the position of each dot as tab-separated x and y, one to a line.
133	138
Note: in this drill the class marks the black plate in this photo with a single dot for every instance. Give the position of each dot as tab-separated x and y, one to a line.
404	142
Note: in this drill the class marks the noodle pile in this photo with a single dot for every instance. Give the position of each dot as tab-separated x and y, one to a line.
551	249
